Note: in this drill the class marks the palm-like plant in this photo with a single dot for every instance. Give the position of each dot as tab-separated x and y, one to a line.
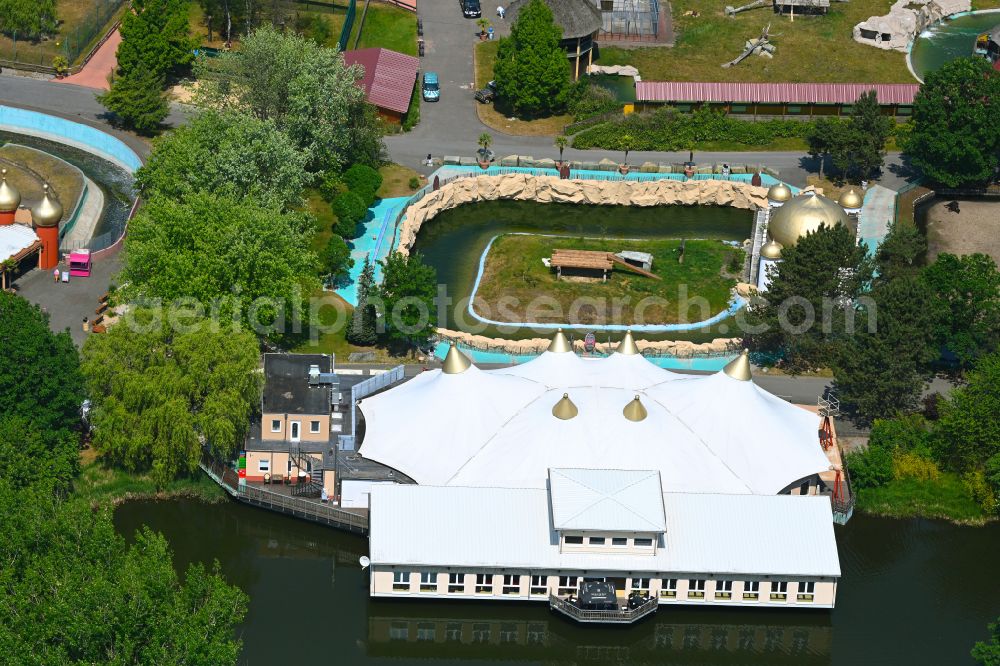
485	141
626	143
561	143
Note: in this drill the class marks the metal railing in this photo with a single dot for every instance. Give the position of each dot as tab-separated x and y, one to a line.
345	31
366	388
617	616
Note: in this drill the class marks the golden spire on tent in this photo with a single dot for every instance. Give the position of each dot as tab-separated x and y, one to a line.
627	346
739	367
635	410
564	409
455	362
560	344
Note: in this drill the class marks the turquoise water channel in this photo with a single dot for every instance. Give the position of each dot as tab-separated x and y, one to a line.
950	39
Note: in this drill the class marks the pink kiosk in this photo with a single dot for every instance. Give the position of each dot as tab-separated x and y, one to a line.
79	263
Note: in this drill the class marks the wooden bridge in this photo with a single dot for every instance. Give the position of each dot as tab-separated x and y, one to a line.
300	507
594	260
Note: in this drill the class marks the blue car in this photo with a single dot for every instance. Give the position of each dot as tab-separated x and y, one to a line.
430	88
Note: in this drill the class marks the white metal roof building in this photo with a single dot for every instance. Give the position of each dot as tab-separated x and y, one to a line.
706	434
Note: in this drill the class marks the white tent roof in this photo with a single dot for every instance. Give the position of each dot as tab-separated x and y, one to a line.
708	434
606	500
14	238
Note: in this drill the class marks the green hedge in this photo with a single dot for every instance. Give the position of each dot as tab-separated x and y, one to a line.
669	130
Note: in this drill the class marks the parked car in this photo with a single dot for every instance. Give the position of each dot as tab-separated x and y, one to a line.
487	94
429	87
471	9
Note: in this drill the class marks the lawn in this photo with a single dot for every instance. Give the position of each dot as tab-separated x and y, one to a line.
396	181
485	56
65	181
945	498
514	268
386	26
81	24
810	49
302	19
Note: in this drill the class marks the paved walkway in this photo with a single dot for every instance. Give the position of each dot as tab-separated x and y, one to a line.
96	72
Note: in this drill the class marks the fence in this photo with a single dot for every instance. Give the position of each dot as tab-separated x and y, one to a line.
366	388
616	616
345	31
74	42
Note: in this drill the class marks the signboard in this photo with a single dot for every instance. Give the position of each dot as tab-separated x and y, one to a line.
589	342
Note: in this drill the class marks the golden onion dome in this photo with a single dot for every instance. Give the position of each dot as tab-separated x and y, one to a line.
779	193
48	211
850	200
771	250
802	215
10	198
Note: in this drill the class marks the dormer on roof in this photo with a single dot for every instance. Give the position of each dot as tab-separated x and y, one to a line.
606	500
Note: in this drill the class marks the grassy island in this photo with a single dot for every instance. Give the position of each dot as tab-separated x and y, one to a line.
514	276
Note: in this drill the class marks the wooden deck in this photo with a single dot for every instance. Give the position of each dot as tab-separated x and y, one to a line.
593	260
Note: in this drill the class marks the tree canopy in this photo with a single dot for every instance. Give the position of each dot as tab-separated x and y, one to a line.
160	391
407	293
814	280
223	252
969	289
226	153
28	19
955	139
363	328
138	100
987	653
306	90
155	38
531	70
856	146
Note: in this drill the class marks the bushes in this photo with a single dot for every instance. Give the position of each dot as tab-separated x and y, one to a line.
870	468
669	130
363	181
350	209
590	100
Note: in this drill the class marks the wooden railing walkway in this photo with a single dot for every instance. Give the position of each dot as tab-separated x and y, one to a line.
316	512
617	616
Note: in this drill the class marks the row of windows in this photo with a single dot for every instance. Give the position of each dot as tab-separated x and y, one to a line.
264	465
481	632
538	586
604	541
314	426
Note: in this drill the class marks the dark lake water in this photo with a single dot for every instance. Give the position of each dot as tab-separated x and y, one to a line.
912	592
454	240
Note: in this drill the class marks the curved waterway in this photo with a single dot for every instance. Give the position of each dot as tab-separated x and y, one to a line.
949	39
454	240
116	183
912	592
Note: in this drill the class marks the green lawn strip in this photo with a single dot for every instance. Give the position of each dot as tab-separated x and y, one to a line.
65	181
105	485
811	49
325	219
947	497
386	26
514	269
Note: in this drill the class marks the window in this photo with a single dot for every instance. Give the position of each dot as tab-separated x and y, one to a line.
456	583
539	586
508	632
567	584
696	589
295	425
723	589
480	632
619	541
573	540
264	465
643	543
779	590
640	585
484	583
511	585
314	426
751	589
453	631
535	634
428	581
399	631
668	588
596	541
807	591
400	581
804	488
275	425
425	631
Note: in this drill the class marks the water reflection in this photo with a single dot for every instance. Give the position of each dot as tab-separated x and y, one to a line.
913	591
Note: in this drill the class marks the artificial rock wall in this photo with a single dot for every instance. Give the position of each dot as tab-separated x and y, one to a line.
551	189
678	348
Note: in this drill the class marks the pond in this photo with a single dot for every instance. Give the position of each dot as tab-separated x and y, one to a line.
116	183
912	592
622	87
949	40
453	241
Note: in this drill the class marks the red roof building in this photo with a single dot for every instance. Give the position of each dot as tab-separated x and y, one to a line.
388	80
776	98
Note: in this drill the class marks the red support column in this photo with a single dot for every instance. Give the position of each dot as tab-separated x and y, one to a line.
48	257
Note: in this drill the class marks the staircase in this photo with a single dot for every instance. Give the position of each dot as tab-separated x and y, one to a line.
313	487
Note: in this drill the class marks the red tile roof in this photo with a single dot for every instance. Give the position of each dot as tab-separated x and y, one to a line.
773	93
389	76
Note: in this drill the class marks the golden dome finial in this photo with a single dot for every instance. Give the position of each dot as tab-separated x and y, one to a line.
564	409
771	250
850	200
635	410
455	363
739	367
559	343
627	346
48	211
10	198
779	193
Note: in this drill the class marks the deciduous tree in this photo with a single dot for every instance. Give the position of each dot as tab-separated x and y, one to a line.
955	139
138	100
161	391
987	653
969	289
531	70
968	429
28	19
336	259
900	252
228	154
156	39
